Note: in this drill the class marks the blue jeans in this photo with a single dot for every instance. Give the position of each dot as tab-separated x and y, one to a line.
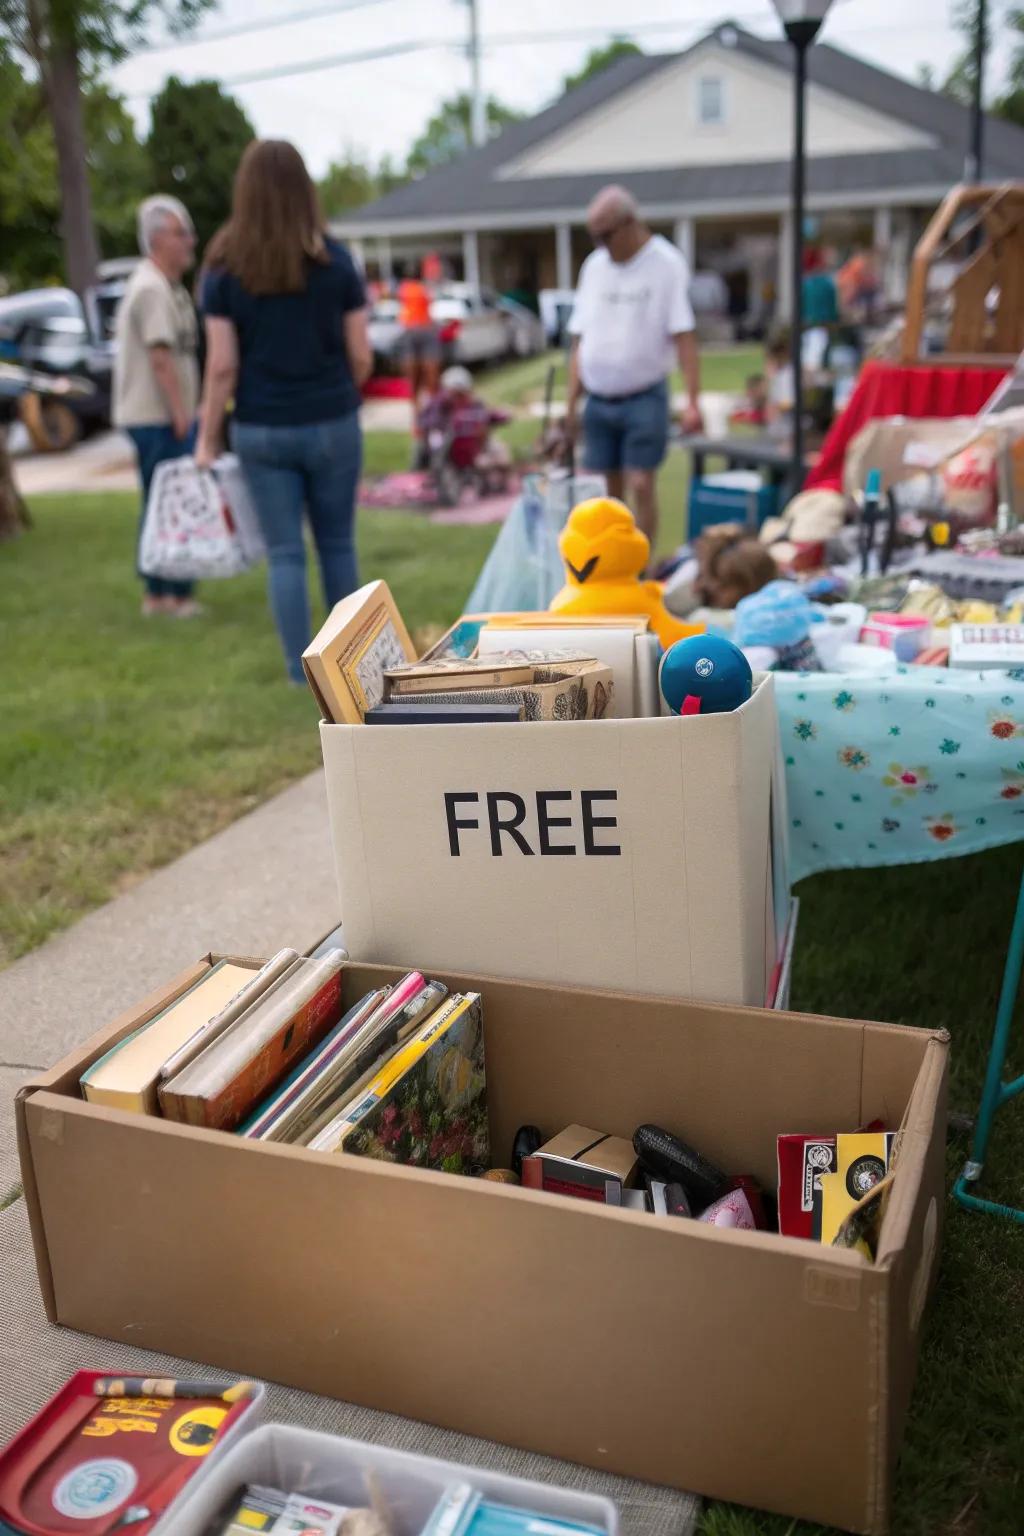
630	432
152	446
311	469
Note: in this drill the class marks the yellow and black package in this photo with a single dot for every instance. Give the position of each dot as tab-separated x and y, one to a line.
862	1162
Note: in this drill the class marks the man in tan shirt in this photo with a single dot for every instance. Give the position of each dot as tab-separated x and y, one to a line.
156	373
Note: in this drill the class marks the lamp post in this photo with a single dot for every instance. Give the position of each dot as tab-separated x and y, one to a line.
974	168
801	21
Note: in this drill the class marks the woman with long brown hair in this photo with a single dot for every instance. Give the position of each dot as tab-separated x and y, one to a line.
286	336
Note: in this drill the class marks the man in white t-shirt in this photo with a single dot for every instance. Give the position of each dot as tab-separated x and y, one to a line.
632	321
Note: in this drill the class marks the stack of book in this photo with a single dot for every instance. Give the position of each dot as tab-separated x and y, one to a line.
270	1053
363	669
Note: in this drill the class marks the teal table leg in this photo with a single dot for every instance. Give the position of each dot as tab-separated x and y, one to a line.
995	1092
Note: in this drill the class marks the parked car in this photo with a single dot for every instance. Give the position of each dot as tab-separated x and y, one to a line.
475	325
51	331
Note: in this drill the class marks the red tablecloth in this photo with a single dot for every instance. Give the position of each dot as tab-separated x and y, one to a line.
887	389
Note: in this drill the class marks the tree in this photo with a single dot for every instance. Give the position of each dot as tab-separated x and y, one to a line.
347	183
30	210
64	41
960	80
447	134
196	138
598	60
13	512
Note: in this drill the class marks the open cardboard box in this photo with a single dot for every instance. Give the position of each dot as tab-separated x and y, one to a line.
659	1349
646	855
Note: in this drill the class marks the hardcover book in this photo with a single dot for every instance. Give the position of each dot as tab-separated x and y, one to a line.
127	1076
230	1076
345	664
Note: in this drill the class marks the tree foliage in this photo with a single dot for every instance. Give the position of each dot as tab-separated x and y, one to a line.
30	212
447	134
196	138
97	30
599	59
959	82
62	45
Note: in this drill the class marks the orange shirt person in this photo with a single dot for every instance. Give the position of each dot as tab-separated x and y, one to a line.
420	343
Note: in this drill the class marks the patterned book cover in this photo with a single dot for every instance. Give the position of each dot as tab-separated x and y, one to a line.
435	1114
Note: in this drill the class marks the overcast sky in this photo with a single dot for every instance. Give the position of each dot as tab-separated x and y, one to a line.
378	105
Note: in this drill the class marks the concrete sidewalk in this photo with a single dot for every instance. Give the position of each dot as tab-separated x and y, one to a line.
265	881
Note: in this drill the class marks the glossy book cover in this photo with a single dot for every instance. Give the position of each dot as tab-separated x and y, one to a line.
434	1115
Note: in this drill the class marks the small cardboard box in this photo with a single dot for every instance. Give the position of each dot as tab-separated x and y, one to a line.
618	853
582	1163
431	1295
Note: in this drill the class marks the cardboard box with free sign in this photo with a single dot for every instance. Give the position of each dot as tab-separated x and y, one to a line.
617	853
657	1348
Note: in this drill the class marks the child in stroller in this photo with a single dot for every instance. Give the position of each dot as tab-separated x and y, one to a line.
455	444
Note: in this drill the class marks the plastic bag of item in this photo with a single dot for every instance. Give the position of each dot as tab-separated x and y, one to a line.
524	569
200	524
969	481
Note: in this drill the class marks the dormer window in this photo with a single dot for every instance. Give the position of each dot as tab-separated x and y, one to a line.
710	101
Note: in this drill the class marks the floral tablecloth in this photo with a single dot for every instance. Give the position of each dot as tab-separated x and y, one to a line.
923	763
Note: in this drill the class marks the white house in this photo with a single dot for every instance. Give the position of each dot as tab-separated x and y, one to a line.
703	138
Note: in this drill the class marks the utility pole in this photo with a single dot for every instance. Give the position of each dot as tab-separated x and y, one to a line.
477	113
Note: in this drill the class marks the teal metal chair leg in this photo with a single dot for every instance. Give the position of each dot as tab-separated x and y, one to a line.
995	1092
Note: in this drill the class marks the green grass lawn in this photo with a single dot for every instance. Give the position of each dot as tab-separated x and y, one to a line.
125	742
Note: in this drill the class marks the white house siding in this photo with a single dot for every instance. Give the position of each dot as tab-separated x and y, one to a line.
654	124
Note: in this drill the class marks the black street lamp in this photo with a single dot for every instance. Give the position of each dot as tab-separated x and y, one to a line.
801	20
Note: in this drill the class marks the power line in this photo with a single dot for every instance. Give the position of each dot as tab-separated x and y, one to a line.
498	40
190	39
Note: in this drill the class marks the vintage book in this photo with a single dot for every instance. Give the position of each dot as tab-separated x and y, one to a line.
313	1074
410	713
560	690
427	677
427	1107
345	664
127	1076
265	979
623	647
230	1076
105	1454
369	1031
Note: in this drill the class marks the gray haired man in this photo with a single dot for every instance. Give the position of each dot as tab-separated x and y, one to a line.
156	373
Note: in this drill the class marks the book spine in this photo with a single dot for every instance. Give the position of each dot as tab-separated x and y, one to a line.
223	1111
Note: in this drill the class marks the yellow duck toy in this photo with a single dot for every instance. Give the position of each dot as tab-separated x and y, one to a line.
604	553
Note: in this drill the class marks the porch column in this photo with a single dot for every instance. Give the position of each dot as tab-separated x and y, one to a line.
882	236
384	261
471	258
784	280
563	256
684	236
358	250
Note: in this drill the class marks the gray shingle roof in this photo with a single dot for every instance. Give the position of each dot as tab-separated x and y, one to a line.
470	186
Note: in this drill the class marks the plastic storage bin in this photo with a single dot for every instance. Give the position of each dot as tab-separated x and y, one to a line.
333	1468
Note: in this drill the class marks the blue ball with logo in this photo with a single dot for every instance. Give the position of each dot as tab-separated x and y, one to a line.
704	675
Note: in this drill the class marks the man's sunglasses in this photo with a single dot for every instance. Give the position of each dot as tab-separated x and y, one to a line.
606	236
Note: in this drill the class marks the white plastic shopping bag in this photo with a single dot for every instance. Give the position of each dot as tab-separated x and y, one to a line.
200	524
